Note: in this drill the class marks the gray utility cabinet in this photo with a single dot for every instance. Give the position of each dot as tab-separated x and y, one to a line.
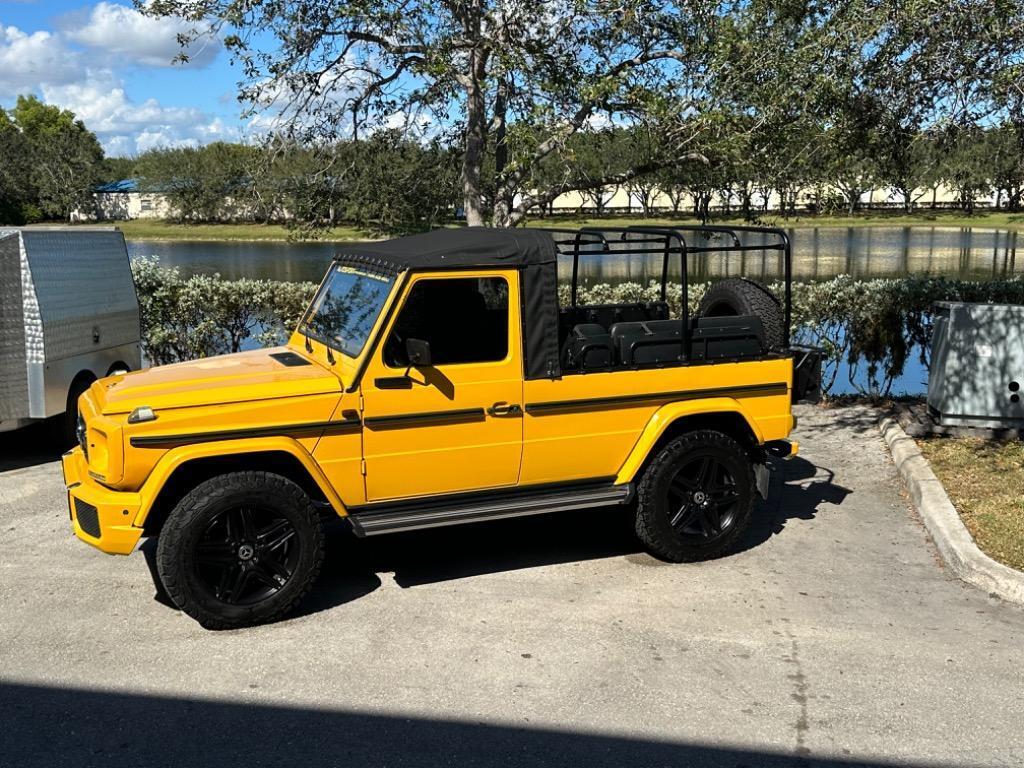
977	370
68	315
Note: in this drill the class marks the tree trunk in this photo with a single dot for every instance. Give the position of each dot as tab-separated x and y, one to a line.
503	203
907	203
476	123
476	141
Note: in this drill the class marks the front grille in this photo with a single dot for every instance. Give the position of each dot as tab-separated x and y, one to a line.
88	518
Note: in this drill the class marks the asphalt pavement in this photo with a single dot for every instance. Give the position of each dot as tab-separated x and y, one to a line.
833	637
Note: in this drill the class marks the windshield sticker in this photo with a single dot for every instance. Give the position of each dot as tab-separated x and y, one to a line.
363	273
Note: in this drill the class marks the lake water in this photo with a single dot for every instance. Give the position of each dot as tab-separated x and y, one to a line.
818	253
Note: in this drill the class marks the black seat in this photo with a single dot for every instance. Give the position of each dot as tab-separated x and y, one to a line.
718	338
588	347
655	341
711	338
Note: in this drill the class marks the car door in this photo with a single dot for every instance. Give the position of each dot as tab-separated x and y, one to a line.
454	424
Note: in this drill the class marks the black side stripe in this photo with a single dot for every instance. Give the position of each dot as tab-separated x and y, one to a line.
309	428
432	417
623	401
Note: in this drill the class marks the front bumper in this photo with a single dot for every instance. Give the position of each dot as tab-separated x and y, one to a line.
100	516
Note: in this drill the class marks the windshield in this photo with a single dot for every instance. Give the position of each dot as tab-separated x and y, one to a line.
347	306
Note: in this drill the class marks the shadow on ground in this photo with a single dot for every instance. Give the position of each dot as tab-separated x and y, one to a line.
352	566
52	727
27	447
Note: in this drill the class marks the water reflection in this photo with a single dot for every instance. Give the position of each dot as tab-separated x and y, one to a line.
821	253
818	253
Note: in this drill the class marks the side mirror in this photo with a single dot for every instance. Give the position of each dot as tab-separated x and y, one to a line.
418	352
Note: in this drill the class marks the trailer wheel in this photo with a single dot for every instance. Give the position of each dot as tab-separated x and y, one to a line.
64	426
240	549
735	296
696	497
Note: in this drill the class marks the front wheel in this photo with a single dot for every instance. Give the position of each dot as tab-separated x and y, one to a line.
240	549
696	497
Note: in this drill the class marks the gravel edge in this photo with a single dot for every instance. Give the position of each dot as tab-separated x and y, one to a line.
943	522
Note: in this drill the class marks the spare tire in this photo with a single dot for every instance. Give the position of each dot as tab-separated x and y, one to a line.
738	296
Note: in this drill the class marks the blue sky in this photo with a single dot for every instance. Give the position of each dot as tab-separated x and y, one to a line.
112	67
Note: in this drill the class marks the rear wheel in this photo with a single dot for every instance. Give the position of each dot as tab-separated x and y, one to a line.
240	549
696	497
736	296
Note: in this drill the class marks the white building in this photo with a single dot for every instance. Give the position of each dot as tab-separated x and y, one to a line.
121	201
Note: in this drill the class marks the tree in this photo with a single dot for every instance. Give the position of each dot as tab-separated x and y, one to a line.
208	183
61	157
117	169
521	77
399	185
967	166
1005	145
15	192
515	81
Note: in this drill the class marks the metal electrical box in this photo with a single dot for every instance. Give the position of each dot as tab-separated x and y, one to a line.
977	369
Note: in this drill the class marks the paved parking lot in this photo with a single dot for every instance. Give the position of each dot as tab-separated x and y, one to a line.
834	637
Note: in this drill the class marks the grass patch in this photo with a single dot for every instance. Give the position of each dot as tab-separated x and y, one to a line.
155	229
985	482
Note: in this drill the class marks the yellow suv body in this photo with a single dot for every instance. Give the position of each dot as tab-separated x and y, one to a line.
433	381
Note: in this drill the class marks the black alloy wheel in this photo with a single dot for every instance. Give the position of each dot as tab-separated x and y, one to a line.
702	499
696	497
246	554
240	549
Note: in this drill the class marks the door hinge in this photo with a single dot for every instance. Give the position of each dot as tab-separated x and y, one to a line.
362	467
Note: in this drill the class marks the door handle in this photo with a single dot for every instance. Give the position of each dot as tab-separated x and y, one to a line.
504	409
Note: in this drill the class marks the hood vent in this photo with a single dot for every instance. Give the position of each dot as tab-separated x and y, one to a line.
290	359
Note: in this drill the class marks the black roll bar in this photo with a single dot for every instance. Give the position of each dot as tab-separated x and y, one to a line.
665	237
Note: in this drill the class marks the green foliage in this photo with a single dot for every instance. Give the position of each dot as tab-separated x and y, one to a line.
203	315
117	169
383	184
395	184
209	183
50	163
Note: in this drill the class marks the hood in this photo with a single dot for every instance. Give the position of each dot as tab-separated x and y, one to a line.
262	374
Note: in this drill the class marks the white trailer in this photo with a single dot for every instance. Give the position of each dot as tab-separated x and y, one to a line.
68	315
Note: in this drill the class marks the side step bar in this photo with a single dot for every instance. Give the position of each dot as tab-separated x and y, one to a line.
436	512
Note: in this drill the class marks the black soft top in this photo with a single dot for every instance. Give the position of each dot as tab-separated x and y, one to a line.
465	248
533	252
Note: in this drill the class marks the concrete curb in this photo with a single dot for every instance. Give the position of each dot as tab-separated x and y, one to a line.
943	522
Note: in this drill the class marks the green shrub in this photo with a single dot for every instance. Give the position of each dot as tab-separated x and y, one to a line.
871	324
203	315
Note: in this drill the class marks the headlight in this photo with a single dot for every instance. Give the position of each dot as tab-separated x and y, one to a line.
80	435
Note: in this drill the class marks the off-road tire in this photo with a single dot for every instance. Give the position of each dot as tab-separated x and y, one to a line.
189	519
653	510
735	296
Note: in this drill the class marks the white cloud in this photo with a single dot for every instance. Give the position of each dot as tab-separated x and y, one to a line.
53	66
26	60
125	126
117	32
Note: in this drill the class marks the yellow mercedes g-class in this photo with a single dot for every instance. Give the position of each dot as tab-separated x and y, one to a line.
435	380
